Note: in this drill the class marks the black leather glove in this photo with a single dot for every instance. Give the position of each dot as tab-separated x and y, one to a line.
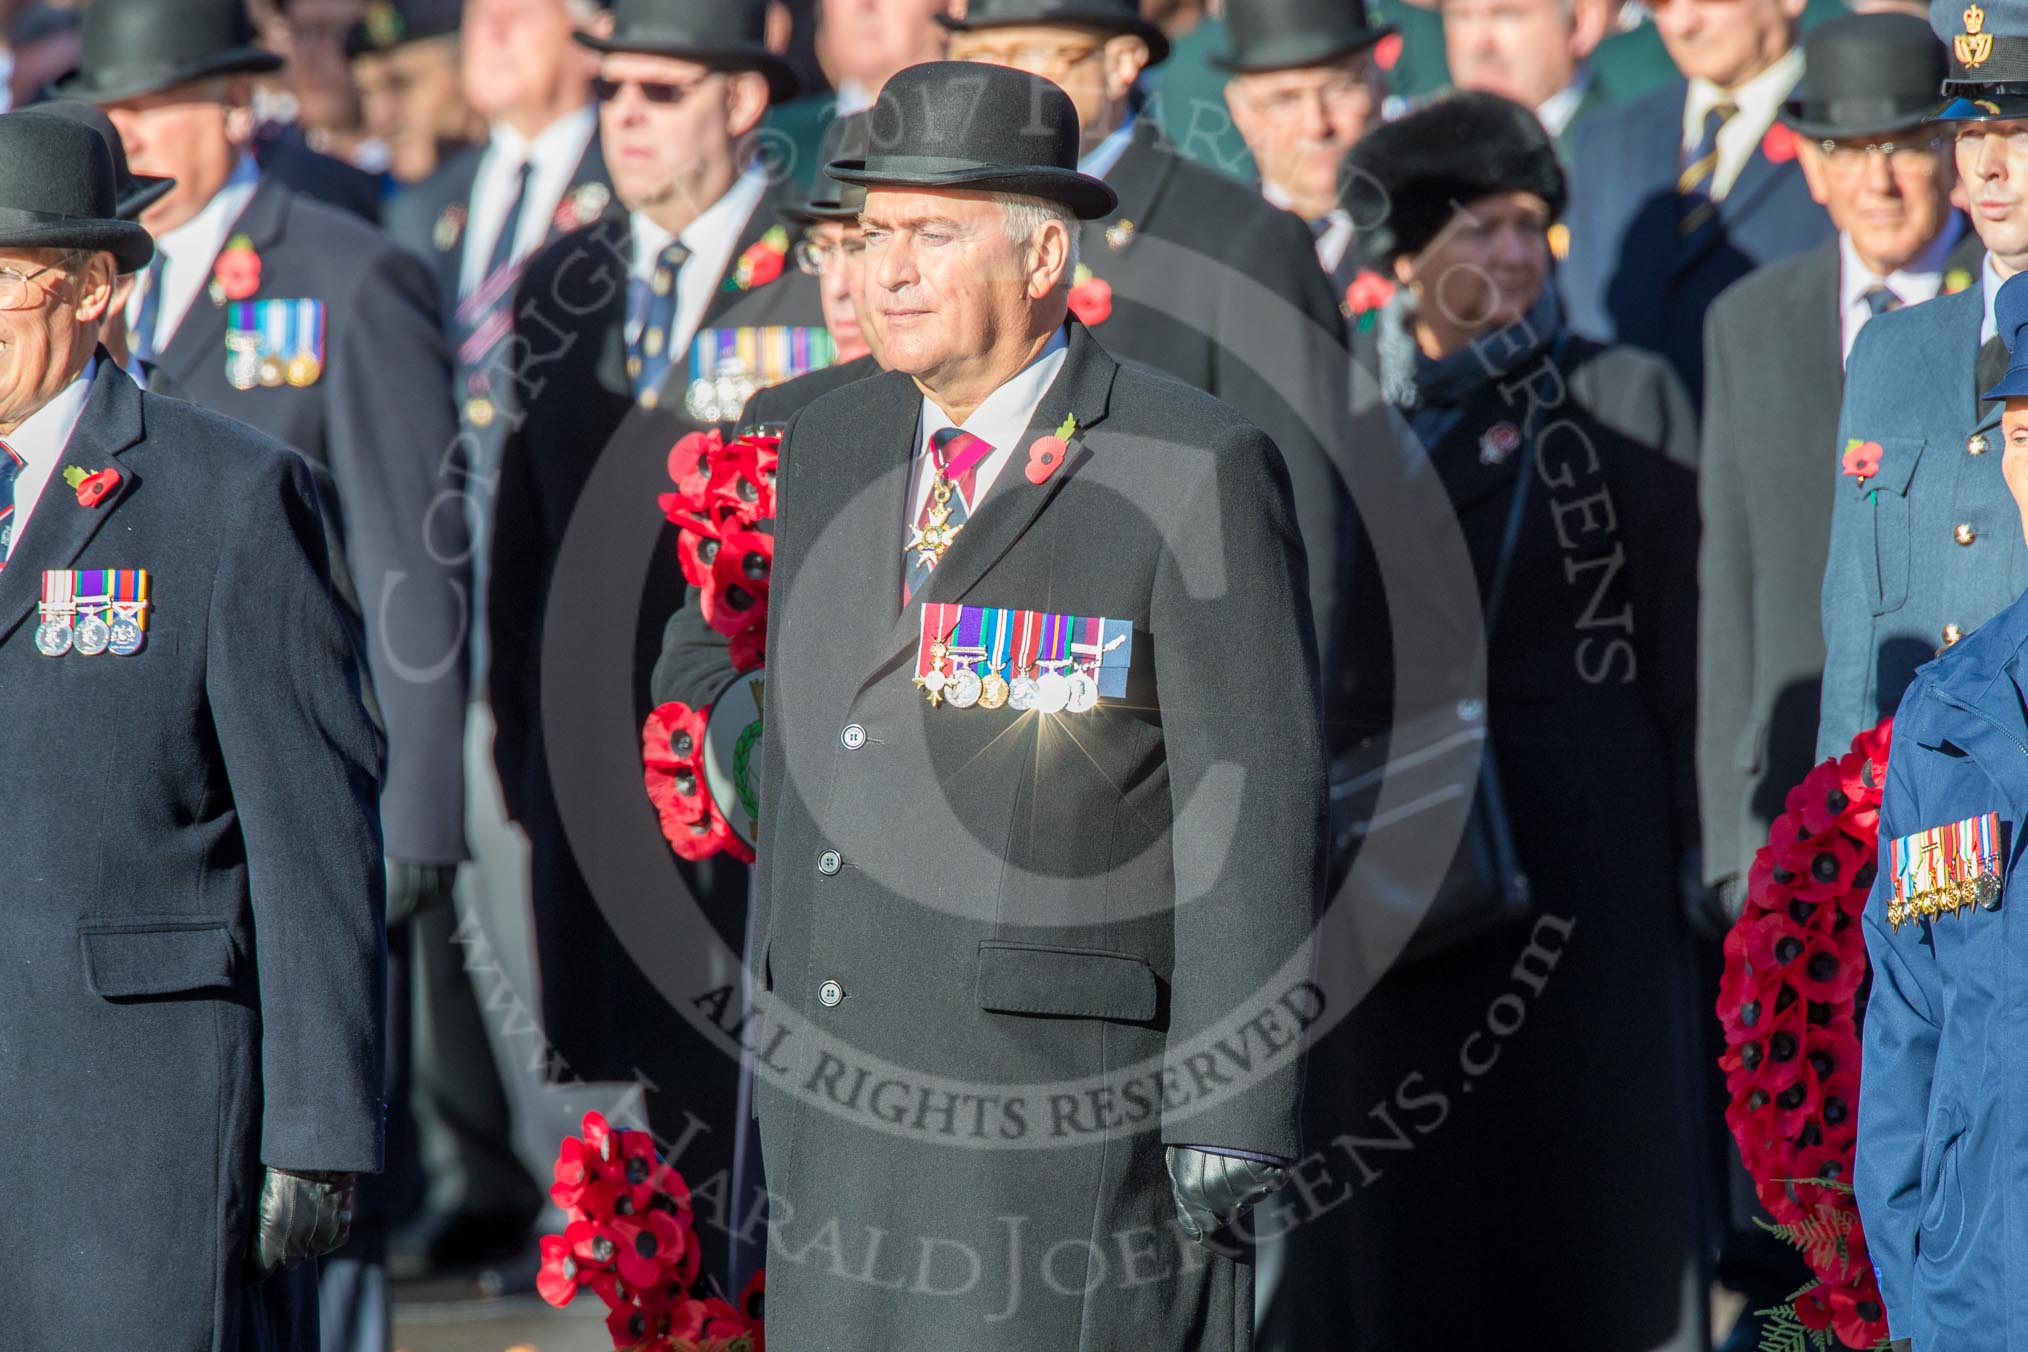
412	888
1212	1189
301	1216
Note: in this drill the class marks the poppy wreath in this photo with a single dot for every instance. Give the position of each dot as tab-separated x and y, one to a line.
723	509
632	1239
1790	1002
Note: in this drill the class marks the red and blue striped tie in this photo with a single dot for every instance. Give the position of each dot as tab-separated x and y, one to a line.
956	455
10	467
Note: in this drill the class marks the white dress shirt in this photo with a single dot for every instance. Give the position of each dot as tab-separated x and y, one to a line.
1106	154
555	154
40	442
1919	281
1556	111
711	239
1332	241
190	251
1758	100
1001	421
1989	282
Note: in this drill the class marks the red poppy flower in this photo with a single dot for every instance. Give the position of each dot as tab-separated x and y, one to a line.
1875	742
736	594
761	264
1826	975
1387	51
559	1279
1857	1316
636	1324
576	1169
238	271
1862	459
1092	301
695	552
650	1243
690	467
1813	1307
1819	803
1773	941
1369	291
1744	998
672	754
737	494
93	488
1779	145
749	646
593	1244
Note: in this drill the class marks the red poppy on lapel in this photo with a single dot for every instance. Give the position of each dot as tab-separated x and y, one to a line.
1862	458
1779	145
92	489
1091	297
1387	51
238	269
761	263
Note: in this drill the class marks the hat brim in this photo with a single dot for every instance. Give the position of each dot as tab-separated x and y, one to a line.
1127	25
129	244
121	84
2000	103
781	77
1296	52
1090	198
147	190
1808	120
2013	385
818	213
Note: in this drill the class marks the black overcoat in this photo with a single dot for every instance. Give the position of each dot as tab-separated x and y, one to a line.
190	952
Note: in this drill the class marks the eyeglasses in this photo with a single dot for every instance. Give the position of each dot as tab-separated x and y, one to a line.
654	91
813	258
1905	156
14	291
1342	94
1051	63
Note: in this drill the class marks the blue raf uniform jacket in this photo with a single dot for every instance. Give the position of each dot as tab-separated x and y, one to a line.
1631	277
1942	1169
1928	548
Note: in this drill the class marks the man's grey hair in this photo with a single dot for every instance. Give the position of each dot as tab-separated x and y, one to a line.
1025	215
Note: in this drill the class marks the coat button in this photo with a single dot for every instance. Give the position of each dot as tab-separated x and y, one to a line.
1951	634
1964	534
1977	444
829	862
829	994
853	737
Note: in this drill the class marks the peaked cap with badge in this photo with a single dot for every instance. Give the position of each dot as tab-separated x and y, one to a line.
57	191
389	24
1866	75
721	34
957	124
1988	49
1109	17
1271	35
138	47
134	193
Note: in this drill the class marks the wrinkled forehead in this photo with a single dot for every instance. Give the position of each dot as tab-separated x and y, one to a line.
915	208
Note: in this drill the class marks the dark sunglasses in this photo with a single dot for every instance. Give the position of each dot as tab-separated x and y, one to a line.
654	91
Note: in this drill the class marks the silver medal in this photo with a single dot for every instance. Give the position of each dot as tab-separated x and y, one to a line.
964	689
1083	693
126	636
1021	693
1052	693
93	636
53	638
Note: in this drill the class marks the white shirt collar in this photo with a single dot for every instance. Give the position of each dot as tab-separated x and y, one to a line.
853	97
40	442
1001	421
1556	111
1989	282
1758	101
714	232
1918	281
189	251
553	155
1332	241
1105	156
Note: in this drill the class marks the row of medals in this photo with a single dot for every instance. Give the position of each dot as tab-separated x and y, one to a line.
1983	891
1052	692
94	634
244	370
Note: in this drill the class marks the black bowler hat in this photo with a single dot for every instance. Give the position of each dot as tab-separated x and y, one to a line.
844	139
722	34
1107	16
388	24
134	193
1866	75
56	191
961	124
136	47
1988	49
1285	34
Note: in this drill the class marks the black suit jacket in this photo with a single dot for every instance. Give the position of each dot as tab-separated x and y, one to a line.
191	943
1775	378
285	155
1014	900
379	418
1217	288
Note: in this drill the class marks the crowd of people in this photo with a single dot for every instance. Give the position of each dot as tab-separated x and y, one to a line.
1480	438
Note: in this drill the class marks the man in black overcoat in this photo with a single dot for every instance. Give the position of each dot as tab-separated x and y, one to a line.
192	940
1192	273
616	324
999	947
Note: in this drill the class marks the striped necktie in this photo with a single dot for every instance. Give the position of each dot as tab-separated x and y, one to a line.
648	354
1697	184
1879	300
955	454
10	467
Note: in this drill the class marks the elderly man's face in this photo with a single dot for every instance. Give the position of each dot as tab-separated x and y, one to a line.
520	54
838	253
193	134
669	128
1524	50
1726	41
951	290
1891	194
1300	125
869	40
1993	168
51	304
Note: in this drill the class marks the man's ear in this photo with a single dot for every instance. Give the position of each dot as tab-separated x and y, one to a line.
96	282
1126	56
1049	259
746	102
239	114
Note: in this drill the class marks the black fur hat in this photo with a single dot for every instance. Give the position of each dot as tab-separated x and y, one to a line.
1406	179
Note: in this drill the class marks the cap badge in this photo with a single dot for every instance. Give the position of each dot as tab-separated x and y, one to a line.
1972	46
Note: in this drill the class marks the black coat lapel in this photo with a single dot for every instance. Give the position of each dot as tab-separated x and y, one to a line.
200	334
763	219
1140	178
61	526
1761	177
